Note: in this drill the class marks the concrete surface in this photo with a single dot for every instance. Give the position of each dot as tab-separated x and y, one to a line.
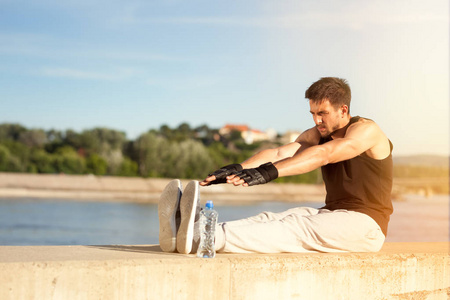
398	271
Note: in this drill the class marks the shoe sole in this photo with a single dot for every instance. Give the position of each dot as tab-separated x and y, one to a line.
188	205
167	210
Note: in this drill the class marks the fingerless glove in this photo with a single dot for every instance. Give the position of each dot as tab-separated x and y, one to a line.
260	175
222	173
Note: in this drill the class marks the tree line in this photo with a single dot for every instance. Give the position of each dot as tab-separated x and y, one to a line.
179	152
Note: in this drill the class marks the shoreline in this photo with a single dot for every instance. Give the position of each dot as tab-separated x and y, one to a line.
143	190
429	212
148	190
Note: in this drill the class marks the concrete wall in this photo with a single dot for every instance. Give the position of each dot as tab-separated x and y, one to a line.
398	271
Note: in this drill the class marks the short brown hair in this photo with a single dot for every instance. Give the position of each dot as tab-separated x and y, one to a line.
336	90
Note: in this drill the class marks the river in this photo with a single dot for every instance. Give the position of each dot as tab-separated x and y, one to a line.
62	222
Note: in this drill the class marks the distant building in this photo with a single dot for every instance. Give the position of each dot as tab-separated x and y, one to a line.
228	128
249	135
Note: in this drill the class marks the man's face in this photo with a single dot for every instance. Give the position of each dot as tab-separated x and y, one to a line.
326	117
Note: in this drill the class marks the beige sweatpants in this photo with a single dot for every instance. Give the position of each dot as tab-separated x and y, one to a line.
301	229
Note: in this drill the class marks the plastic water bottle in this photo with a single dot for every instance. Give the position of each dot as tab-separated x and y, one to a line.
208	221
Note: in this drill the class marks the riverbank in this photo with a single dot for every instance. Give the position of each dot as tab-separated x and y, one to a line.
142	190
418	217
148	190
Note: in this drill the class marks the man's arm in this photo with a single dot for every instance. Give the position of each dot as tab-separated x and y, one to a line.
303	141
364	136
361	137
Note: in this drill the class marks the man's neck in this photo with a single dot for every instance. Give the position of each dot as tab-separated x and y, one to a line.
340	133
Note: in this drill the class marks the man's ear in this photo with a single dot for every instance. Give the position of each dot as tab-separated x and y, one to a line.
344	110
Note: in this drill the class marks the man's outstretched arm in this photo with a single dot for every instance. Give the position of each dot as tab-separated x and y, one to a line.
305	140
264	156
360	137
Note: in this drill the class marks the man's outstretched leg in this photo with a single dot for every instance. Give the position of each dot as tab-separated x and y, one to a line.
301	230
167	212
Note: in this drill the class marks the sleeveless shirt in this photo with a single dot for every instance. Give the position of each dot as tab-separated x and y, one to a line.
360	184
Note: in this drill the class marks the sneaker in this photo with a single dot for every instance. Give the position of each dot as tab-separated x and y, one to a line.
167	212
190	211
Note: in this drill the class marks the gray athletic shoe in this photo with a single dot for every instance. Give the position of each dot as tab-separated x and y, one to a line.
167	212
190	209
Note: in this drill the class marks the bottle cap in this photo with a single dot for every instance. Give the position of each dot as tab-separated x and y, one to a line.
209	204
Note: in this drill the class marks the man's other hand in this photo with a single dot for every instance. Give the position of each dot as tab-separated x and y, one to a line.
220	175
260	175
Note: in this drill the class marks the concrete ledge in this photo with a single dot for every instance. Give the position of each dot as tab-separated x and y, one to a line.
398	271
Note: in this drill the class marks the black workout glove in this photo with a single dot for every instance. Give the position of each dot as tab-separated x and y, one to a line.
222	173
260	175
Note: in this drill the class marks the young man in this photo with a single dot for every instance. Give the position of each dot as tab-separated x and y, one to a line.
356	161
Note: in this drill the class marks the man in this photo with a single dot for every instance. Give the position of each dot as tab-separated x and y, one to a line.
356	161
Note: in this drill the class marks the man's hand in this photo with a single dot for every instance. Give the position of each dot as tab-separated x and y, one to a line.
260	175
220	176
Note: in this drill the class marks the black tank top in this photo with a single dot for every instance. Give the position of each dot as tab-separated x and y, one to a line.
361	184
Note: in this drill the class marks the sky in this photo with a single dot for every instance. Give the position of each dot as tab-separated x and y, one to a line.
136	65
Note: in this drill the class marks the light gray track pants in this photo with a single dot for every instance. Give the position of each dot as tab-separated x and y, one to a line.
301	229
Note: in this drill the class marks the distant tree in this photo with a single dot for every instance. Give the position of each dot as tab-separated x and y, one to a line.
101	140
20	154
411	171
55	140
165	131
205	134
313	177
96	165
147	149
105	142
221	155
68	161
35	138
9	162
11	131
72	138
193	161
42	162
235	135
184	130
128	168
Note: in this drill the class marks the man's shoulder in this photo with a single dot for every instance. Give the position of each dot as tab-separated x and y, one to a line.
310	137
363	124
368	131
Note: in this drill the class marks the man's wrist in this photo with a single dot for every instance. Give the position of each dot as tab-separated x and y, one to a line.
269	171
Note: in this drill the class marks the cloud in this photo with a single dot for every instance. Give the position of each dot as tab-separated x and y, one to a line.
88	75
183	83
349	15
47	46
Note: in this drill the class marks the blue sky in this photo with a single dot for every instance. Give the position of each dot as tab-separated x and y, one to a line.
135	65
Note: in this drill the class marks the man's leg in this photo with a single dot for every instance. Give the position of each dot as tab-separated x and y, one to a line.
303	230
270	216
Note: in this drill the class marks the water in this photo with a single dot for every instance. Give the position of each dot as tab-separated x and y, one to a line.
62	222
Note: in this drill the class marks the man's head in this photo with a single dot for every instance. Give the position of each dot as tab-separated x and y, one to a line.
333	89
329	100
